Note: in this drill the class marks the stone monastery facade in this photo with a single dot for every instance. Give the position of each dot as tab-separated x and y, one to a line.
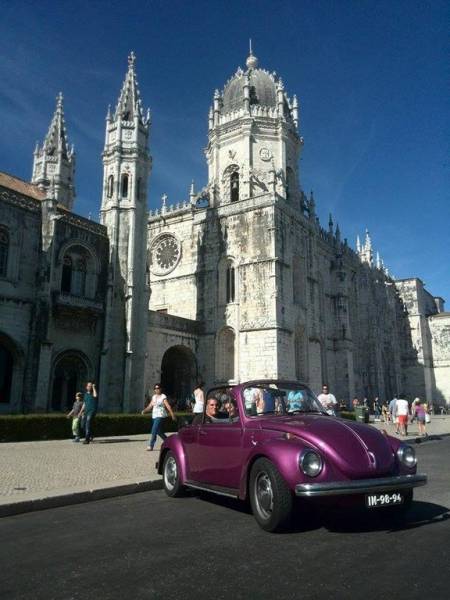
238	282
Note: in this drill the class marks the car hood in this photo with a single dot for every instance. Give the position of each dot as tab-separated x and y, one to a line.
356	450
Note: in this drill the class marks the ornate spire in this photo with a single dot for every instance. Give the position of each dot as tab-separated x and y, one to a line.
56	138
54	162
367	241
252	61
129	103
358	244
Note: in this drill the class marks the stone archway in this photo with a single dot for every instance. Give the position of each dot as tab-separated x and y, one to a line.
70	374
6	372
178	374
11	374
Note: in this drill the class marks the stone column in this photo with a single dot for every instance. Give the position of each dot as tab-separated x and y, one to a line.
43	383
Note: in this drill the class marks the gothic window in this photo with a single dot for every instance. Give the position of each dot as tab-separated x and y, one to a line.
300	356
4	248
138	187
110	186
230	284
78	277
290	183
297	280
234	186
66	279
124	186
225	354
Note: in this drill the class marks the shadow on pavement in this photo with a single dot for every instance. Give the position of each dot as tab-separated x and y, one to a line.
358	521
309	517
431	438
120	441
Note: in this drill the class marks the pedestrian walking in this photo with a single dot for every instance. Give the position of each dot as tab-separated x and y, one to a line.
159	405
421	416
199	398
376	409
393	413
402	412
75	415
88	411
327	400
413	409
385	412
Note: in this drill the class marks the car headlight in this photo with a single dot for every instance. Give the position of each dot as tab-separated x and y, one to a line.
407	456
310	463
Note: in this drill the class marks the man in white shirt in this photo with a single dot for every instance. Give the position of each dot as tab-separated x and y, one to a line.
402	412
327	400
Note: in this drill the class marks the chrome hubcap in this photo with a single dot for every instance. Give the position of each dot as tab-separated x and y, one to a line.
170	473
264	495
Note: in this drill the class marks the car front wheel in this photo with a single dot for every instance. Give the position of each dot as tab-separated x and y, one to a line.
171	476
270	498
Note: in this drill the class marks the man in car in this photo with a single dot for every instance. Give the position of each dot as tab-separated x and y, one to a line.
212	408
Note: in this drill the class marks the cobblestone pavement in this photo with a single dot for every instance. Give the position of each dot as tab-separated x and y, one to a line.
440	425
31	470
34	469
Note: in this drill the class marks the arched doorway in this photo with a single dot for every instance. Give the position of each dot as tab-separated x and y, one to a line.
70	374
178	374
11	374
6	371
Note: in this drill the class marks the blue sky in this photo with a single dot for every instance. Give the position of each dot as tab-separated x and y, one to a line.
371	77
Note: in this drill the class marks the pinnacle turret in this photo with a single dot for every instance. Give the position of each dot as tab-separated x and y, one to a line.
54	162
129	105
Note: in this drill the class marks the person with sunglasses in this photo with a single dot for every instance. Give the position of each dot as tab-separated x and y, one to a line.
159	405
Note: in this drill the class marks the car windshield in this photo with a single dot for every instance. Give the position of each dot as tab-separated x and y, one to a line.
280	399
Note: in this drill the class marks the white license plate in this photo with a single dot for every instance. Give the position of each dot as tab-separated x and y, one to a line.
377	500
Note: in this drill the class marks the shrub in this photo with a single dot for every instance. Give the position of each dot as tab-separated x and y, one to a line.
346	414
55	426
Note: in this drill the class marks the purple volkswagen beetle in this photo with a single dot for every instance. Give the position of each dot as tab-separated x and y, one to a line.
270	441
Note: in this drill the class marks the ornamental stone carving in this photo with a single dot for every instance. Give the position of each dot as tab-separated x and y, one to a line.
165	254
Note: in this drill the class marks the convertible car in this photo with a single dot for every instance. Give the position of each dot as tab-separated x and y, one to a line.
271	441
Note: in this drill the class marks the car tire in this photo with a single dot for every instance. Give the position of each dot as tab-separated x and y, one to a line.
171	476
270	498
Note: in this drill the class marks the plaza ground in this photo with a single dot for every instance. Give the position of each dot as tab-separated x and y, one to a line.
202	546
37	475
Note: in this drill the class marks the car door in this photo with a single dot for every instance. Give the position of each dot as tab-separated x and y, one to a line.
217	459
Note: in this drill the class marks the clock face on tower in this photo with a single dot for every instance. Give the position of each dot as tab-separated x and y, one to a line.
165	254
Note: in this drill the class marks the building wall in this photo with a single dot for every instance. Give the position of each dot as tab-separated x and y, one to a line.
40	322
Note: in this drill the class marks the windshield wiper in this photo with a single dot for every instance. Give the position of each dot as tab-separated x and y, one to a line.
304	411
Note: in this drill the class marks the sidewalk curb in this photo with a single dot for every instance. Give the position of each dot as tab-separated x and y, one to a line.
24	506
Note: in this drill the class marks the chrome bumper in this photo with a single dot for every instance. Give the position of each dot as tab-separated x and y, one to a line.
360	486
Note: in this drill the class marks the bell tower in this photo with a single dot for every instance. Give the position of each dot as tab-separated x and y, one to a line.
126	168
253	140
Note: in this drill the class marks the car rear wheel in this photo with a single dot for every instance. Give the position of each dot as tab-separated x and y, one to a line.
171	476
270	498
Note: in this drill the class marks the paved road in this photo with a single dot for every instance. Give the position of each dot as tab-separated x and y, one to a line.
149	546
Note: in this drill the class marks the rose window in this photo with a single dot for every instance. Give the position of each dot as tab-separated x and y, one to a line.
166	253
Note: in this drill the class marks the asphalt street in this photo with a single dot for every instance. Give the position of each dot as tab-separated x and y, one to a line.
202	546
